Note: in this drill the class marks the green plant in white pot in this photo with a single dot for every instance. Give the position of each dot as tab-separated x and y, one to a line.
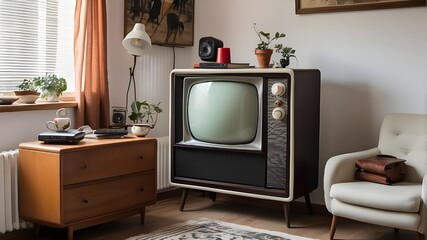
287	53
144	117
51	86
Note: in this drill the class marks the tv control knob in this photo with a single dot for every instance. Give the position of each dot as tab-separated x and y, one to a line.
278	113
278	103
278	89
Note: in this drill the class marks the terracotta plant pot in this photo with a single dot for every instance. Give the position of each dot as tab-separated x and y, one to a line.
263	57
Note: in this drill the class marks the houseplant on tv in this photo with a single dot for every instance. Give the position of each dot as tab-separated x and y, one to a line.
144	117
27	92
51	86
286	52
263	50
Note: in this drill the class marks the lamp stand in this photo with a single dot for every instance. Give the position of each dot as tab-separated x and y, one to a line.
131	79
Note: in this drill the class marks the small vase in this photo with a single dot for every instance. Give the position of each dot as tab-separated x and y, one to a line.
263	57
50	97
141	129
284	62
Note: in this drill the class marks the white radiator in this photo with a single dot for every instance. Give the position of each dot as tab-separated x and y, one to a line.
9	214
163	163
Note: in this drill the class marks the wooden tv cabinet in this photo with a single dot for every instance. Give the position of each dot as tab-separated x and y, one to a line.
81	185
280	163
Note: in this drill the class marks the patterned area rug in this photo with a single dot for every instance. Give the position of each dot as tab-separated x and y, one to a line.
207	229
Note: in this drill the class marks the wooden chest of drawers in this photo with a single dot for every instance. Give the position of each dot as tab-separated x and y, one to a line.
95	181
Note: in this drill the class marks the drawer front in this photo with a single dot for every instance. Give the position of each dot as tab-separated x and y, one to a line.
110	161
110	196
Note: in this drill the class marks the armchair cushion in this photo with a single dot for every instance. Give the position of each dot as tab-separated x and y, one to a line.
408	221
400	197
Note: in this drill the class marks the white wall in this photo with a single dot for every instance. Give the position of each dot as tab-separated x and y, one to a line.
17	127
372	62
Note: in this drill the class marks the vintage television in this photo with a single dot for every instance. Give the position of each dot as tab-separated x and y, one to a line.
249	132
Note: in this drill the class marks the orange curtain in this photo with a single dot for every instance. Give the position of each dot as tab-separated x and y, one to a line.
90	63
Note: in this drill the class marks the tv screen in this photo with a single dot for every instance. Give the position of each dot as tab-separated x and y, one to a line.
223	112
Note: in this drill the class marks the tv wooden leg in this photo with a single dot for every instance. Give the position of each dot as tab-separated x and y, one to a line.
212	196
286	210
183	198
308	203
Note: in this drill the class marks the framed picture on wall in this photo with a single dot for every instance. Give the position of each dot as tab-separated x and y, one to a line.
167	22
318	6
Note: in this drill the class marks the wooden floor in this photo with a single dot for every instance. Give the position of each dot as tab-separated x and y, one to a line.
244	211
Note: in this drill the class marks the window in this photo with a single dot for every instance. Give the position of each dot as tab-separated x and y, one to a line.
36	38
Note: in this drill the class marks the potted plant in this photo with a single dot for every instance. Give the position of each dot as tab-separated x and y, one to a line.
263	50
27	92
286	52
51	86
144	117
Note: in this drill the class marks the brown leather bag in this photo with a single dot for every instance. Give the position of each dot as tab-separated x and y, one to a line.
383	169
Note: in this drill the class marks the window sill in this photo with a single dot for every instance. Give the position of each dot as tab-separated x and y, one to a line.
16	107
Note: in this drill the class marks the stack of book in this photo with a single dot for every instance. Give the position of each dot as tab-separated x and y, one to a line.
214	65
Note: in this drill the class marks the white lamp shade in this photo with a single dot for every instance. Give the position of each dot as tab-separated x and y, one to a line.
137	42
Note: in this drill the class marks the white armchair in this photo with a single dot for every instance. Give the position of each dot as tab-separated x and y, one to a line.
402	205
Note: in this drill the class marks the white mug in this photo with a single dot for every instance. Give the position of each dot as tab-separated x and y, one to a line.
61	113
59	124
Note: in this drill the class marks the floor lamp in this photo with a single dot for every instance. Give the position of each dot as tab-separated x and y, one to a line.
136	42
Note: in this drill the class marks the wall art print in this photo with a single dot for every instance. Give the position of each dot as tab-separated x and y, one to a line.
318	6
167	22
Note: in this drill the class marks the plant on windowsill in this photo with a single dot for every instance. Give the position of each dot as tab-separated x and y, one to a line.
144	117
287	53
263	50
51	86
27	92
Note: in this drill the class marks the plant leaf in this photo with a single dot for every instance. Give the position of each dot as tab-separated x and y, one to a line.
266	35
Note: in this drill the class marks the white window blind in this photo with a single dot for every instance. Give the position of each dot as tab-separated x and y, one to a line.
36	37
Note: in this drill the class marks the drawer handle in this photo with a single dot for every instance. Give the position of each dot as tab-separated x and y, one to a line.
141	157
141	189
85	201
84	166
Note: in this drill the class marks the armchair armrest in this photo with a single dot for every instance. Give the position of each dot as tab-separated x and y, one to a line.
341	168
424	191
422	227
